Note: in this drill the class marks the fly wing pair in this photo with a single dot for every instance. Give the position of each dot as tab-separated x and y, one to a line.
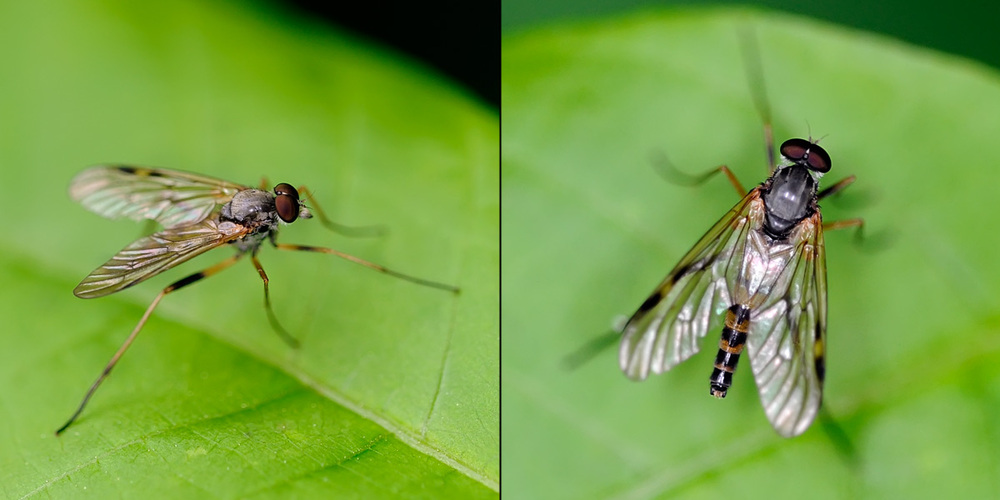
787	331
185	204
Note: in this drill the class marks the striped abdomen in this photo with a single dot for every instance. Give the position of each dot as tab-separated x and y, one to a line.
734	336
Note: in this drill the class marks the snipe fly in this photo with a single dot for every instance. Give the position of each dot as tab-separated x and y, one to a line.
763	266
197	213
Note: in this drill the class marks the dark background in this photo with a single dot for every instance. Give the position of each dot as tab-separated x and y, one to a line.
459	39
954	27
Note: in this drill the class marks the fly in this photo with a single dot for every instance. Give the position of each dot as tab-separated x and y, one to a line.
198	213
762	265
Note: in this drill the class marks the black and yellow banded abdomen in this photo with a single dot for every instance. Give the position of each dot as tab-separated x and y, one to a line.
734	336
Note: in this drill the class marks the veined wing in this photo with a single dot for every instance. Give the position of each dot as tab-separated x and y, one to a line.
787	335
668	325
149	256
170	197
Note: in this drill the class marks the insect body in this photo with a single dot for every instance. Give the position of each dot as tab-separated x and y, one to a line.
198	213
763	265
195	217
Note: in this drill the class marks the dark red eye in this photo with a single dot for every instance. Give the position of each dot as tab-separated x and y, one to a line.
806	153
819	160
794	149
286	202
285	188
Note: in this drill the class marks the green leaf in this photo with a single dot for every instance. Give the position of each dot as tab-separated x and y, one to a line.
394	391
913	385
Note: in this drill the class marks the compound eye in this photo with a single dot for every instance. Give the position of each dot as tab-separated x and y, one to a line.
818	159
286	202
286	189
806	153
795	149
287	207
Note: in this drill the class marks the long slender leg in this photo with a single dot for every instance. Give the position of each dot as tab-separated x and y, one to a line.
836	188
847	223
590	350
769	146
754	68
353	231
349	231
732	179
173	287
370	265
672	174
844	224
280	330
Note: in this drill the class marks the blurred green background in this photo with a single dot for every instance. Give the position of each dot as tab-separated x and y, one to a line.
913	387
962	29
394	391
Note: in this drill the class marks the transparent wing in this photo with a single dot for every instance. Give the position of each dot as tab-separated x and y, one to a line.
169	197
787	335
668	325
149	256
